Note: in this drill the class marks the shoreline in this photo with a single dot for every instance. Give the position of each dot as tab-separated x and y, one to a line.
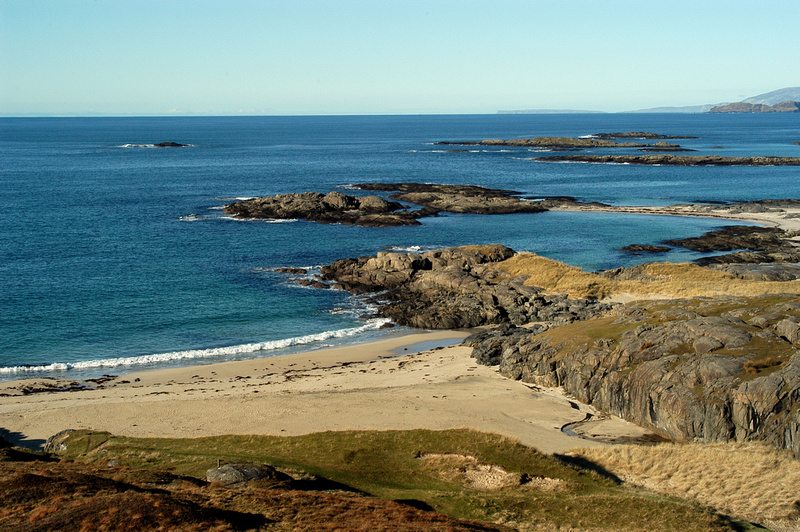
787	218
378	385
361	387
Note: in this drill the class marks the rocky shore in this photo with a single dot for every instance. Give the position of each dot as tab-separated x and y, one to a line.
334	207
709	369
454	288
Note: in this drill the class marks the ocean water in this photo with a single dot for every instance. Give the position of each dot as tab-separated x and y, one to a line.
116	256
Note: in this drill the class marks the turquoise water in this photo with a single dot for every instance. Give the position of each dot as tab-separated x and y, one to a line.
116	256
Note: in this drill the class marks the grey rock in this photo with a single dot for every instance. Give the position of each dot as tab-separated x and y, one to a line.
239	475
454	288
688	376
55	443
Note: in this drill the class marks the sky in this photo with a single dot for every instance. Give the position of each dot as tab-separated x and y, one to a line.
312	57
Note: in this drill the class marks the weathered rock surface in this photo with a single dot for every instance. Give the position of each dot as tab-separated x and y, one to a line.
732	237
458	198
454	288
644	248
675	160
708	370
755	245
240	474
333	207
56	443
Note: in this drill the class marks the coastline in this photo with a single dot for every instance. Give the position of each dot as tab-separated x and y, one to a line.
380	385
787	218
371	386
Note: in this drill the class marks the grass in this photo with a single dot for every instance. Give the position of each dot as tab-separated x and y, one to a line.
738	479
666	280
391	465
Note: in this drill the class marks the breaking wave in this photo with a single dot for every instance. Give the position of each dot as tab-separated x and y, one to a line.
175	356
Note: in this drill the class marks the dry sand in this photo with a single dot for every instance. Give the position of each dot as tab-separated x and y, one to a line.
366	386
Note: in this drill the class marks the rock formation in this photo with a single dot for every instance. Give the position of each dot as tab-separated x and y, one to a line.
171	145
675	160
454	288
548	142
709	370
333	207
639	135
458	198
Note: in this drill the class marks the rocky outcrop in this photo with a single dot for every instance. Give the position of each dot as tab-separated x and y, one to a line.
675	160
706	370
756	245
548	143
644	248
333	207
171	145
639	135
744	107
238	475
454	288
458	198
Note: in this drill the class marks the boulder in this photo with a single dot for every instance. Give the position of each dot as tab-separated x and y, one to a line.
238	475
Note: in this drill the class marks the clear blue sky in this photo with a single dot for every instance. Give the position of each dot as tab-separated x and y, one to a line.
381	56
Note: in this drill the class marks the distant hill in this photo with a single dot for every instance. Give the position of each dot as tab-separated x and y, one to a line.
789	94
745	107
769	99
684	109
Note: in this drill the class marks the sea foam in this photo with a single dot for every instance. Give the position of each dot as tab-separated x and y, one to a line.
217	352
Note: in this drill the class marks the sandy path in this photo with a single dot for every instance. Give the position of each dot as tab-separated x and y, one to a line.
336	389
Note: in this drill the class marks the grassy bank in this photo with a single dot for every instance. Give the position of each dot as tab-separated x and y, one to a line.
461	473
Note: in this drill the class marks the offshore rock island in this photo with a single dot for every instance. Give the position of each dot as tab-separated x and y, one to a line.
336	207
674	160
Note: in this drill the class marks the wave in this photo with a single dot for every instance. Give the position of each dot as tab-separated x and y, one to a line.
243	198
411	249
263	220
145	360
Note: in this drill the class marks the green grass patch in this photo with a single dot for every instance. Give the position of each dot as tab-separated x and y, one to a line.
394	465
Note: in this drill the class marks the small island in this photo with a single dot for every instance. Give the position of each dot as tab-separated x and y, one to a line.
674	160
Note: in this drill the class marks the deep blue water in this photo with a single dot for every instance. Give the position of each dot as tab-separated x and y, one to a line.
109	251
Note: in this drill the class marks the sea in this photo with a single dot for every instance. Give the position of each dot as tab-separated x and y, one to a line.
116	256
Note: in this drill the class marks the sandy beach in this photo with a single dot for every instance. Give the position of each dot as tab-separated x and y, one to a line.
381	385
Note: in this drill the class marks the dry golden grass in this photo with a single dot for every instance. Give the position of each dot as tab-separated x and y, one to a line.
749	481
669	280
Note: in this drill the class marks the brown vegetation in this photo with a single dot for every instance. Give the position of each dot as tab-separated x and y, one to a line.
661	279
742	479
